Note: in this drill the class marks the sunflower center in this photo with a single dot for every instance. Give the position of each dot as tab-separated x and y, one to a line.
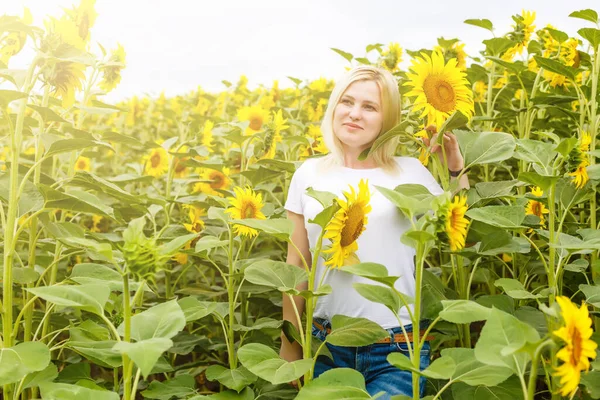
577	342
81	164
155	160
353	226
256	123
217	180
440	93
84	26
248	210
180	166
536	208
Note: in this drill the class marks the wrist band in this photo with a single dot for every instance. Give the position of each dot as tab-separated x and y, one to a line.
455	173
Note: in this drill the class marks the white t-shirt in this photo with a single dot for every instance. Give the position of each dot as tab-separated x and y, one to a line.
379	243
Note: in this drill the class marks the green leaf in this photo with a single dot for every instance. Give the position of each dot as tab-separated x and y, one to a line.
347	56
276	274
400	361
591	380
264	362
592	294
246	394
463	311
180	386
517	68
163	320
557	35
194	309
556	66
90	181
379	294
68	145
375	272
173	246
592	35
508	217
30	200
236	379
587	14
90	297
261	323
398	130
515	289
544	182
47	114
209	243
454	121
261	174
85	273
34	379
508	390
410	198
75	200
482	23
335	384
8	96
351	332
323	217
501	338
497	46
99	352
281	228
23	276
22	359
471	371
485	147
325	198
535	151
64	391
145	353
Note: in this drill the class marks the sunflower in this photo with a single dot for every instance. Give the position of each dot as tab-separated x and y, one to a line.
84	17
578	161
257	116
157	162
13	42
99	224
578	349
522	34
245	205
580	175
320	85
273	134
440	88
391	57
66	77
454	50
112	72
218	180
480	89
181	170
195	215
535	207
423	152
182	258
83	164
585	141
456	223
207	136
347	225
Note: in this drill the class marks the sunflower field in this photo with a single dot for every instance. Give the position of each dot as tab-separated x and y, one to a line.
144	243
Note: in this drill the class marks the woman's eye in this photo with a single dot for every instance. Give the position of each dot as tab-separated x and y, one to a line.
368	107
346	101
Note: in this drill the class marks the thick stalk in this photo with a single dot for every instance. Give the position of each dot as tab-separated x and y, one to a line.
231	298
126	337
416	322
310	307
34	220
593	133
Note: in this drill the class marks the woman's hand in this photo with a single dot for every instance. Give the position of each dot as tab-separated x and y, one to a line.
454	158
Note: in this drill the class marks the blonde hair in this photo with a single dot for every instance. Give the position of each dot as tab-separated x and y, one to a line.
390	108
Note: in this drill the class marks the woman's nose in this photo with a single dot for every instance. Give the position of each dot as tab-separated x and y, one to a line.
355	112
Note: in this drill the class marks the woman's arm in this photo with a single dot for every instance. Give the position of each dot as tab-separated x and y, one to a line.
293	351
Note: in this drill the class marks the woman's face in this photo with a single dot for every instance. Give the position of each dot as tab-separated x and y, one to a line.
358	118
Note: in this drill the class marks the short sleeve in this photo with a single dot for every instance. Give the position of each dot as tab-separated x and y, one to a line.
293	202
427	180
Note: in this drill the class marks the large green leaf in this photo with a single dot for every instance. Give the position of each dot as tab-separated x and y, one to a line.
246	394
510	389
592	35
482	23
373	271
276	274
24	358
473	372
556	66
101	274
335	384
163	320
463	311
145	353
592	294
587	14
515	289
90	181
34	379
100	352
351	332
409	198
535	151
378	294
75	200
64	391
236	379
89	297
508	217
485	147
194	309
8	96
264	362
68	145
180	387
47	114
280	228
501	339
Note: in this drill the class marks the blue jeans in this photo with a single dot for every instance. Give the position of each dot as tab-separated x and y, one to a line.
371	362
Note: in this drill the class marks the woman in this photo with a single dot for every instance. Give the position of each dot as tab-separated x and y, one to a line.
363	104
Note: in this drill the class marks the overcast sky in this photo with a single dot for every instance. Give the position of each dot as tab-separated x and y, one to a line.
176	45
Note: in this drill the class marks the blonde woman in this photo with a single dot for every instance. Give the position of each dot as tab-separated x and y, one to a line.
363	104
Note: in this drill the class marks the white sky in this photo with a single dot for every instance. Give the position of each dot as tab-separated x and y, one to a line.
176	45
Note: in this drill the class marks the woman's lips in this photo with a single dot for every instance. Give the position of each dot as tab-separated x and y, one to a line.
353	126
